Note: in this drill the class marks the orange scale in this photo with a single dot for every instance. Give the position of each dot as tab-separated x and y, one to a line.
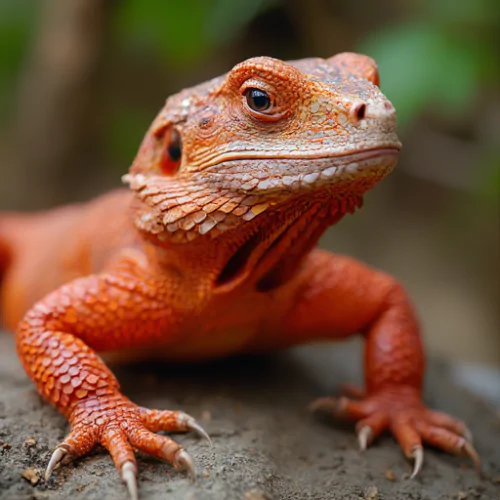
76	382
56	395
93	379
80	393
72	361
63	369
50	383
57	360
68	389
74	370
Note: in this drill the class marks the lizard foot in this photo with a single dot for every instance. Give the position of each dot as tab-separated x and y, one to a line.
401	412
122	427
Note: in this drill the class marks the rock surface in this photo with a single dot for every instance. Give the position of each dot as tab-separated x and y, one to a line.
266	446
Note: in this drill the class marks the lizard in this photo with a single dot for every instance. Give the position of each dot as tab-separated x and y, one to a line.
212	251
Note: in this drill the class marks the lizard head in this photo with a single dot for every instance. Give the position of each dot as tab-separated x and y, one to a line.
265	134
262	145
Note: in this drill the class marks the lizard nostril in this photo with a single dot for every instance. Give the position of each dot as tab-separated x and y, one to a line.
358	111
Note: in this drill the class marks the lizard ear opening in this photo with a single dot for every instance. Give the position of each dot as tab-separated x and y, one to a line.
358	65
172	151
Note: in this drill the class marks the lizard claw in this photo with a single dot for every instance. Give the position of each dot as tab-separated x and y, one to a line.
183	461
172	421
129	477
418	456
56	457
326	404
412	423
192	425
471	452
365	435
467	434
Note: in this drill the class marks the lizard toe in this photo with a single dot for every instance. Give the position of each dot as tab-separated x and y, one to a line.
172	421
77	443
122	427
449	441
401	412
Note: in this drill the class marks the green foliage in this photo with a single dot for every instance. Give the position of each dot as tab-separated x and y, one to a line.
228	18
489	187
471	14
16	23
439	59
126	127
184	31
175	29
16	18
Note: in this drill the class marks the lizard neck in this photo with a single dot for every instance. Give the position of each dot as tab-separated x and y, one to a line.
262	254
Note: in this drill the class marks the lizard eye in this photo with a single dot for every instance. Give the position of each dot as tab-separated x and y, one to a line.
258	100
172	152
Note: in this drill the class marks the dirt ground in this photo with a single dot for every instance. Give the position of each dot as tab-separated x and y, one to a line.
266	445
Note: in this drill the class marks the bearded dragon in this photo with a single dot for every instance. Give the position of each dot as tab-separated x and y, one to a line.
211	252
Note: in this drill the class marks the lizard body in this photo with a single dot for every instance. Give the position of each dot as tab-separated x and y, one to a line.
212	252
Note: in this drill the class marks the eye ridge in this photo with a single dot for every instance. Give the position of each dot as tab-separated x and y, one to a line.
257	99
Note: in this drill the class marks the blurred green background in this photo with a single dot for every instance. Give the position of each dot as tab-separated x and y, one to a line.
80	81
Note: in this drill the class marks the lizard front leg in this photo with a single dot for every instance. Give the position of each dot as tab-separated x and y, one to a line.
56	342
337	296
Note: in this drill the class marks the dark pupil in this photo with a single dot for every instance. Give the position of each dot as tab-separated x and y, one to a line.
175	146
258	100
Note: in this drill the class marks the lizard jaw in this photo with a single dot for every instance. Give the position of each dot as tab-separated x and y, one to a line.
223	198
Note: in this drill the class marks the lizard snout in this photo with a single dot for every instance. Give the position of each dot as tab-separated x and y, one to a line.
380	110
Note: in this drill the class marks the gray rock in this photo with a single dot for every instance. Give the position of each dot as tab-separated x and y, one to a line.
266	445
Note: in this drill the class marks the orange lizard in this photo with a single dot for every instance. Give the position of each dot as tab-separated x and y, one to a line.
212	252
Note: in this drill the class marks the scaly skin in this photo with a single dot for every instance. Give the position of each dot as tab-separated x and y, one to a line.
211	252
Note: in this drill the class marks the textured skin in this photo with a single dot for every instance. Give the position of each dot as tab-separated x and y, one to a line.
213	253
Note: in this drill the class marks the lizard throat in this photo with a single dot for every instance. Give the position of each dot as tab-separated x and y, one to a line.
271	255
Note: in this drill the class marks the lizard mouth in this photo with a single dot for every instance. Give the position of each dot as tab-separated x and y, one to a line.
389	147
277	175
